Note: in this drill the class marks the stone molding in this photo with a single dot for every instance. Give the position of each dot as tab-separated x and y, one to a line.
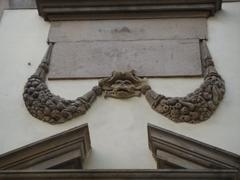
125	30
127	9
172	149
122	174
50	152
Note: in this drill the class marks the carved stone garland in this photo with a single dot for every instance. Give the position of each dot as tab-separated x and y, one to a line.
197	106
44	105
193	108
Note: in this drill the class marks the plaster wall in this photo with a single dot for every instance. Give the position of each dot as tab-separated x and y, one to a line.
118	128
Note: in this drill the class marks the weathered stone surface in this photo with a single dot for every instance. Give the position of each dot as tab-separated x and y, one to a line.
44	105
49	153
185	28
197	106
84	48
122	85
193	108
148	58
172	150
16	4
22	4
131	9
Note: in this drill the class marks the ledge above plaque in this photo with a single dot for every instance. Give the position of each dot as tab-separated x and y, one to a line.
125	9
140	29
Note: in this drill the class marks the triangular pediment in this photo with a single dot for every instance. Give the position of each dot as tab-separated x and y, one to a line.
65	150
177	151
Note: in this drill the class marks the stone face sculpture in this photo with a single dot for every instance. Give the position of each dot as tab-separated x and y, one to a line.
122	85
197	106
44	105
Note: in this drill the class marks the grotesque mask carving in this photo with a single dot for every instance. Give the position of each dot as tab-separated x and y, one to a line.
122	85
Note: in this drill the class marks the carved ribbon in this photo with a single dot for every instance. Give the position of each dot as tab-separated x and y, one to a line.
44	105
197	106
193	108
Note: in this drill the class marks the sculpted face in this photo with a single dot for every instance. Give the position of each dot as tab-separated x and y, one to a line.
123	89
122	85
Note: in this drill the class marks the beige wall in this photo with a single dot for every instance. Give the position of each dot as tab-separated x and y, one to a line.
118	127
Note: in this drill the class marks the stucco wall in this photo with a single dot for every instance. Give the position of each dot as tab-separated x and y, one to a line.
118	128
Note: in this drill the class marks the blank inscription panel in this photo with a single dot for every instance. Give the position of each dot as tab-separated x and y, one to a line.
153	48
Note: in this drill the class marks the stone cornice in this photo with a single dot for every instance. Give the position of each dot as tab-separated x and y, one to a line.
125	9
122	174
39	155
178	150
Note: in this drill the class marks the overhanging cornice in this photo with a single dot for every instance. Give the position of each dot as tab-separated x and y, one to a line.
125	9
